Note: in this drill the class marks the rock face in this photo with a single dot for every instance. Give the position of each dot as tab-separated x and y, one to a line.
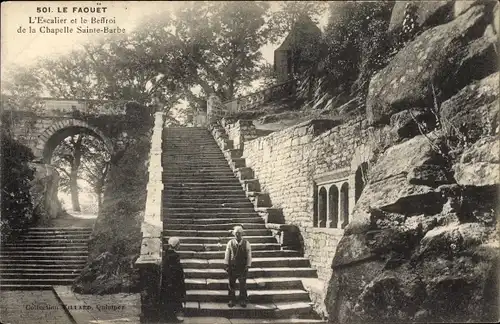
428	13
437	58
419	248
44	192
474	110
480	164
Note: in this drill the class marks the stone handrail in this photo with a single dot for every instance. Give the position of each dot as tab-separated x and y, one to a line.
253	100
149	261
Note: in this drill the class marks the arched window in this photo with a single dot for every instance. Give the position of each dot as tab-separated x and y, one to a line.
344	204
322	196
333	207
360	180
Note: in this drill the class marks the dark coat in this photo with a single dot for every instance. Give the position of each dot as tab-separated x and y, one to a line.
173	286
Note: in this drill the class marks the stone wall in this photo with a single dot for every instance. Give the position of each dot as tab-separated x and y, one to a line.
239	132
288	165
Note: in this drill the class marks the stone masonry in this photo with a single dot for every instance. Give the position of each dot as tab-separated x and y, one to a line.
289	164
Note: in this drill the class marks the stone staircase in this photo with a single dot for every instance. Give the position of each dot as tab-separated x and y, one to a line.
43	257
202	201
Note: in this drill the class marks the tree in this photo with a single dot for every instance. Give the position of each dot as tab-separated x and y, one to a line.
21	89
84	157
355	38
207	47
289	13
16	206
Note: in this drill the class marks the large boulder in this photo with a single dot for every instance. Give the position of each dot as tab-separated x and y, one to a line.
474	110
480	164
419	248
403	181
419	268
428	13
436	60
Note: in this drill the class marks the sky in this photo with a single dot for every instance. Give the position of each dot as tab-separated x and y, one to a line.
24	48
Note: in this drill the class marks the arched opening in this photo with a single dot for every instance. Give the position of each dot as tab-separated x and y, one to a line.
81	156
322	196
333	207
360	180
344	204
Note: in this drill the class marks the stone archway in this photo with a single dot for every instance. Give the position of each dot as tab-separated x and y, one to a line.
48	140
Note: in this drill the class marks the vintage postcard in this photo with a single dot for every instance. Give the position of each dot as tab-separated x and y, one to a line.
245	162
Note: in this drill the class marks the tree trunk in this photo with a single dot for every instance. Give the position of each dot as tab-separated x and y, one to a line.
74	190
99	203
77	156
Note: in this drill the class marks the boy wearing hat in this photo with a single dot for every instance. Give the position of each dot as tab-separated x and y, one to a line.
237	260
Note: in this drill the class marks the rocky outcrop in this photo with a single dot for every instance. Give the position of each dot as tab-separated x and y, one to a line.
44	188
420	248
474	110
427	13
480	163
436	59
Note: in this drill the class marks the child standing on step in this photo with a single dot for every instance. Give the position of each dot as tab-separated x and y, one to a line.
237	260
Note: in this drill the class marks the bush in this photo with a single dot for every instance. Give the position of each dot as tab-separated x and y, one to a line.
17	207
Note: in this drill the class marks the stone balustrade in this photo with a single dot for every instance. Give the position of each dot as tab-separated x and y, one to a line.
149	261
257	99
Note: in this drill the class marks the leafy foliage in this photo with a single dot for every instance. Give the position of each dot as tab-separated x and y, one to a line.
17	207
208	47
357	43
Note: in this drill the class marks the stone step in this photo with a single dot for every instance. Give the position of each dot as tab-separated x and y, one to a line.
34	253
42	275
18	265
170	203
27	286
193	157
182	171
267	310
186	199
278	262
209	211
44	260
254	296
215	233
60	229
258	283
224	240
214	227
252	273
34	247
200	164
53	236
47	244
204	216
220	254
231	178
34	282
214	183
222	247
54	241
192	173
204	191
7	272
212	221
